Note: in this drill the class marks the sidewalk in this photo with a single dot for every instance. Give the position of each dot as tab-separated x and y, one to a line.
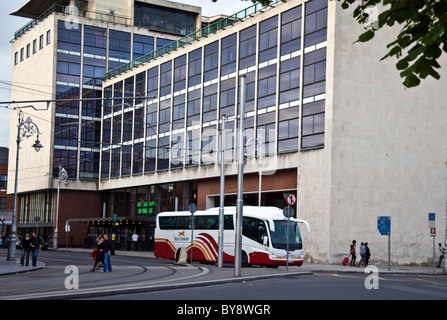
14	267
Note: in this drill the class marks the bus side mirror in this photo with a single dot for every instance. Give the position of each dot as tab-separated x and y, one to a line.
266	241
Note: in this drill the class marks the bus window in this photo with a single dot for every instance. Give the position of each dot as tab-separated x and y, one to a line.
228	223
279	237
207	222
167	223
183	222
254	229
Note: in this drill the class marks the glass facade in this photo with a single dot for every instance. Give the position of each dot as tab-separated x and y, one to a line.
285	69
164	19
84	55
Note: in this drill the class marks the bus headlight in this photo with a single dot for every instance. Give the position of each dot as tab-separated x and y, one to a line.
274	256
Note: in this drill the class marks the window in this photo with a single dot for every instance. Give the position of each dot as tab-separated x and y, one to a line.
152	82
247	47
41	41
288	135
165	78
291	30
95	46
164	19
3	181
211	61
138	157
195	67
142	45
22	54
268	39
180	73
254	229
228	54
16	57
119	48
35	46
48	37
315	24
150	155
28	50
208	222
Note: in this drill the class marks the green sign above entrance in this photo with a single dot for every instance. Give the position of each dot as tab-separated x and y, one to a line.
145	207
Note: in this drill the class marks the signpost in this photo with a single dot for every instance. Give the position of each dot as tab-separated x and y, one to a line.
192	208
67	230
288	212
432	227
384	227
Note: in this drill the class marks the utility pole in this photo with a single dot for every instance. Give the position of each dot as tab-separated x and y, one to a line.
240	187
222	193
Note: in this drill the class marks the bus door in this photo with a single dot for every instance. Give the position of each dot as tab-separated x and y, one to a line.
255	231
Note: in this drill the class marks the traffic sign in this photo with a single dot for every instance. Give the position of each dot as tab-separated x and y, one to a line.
384	225
432	232
291	199
431	220
192	208
288	212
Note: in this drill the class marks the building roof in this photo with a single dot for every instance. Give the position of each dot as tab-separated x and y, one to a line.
33	8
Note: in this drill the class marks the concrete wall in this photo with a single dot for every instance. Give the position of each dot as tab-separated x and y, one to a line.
37	73
388	147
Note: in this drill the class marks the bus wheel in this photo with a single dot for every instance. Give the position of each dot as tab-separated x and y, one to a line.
244	260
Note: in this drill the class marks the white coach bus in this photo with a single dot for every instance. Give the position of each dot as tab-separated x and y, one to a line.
264	240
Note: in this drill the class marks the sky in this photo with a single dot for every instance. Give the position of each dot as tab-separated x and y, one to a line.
10	24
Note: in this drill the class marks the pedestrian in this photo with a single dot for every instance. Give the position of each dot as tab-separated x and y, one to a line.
441	250
98	254
36	246
135	241
4	239
129	241
108	250
352	252
367	254
362	254
25	245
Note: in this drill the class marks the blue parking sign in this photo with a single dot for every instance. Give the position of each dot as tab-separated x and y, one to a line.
384	225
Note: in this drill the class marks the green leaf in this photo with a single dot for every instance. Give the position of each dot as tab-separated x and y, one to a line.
411	81
402	65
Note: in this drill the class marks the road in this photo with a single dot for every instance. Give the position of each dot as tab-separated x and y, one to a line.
138	272
319	286
126	271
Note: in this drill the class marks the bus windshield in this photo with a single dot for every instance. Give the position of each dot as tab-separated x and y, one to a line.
279	238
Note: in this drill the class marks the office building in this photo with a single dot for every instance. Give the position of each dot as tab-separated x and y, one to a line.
324	119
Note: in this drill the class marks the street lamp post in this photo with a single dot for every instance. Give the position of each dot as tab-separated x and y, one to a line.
25	129
62	176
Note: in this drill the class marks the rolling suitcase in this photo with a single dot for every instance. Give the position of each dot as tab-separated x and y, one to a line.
345	261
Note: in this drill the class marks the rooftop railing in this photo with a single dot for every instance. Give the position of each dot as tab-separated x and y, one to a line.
57	8
202	33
